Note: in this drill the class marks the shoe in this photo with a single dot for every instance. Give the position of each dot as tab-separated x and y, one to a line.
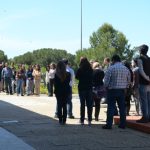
106	127
121	127
96	119
89	123
81	122
56	116
63	122
71	117
142	120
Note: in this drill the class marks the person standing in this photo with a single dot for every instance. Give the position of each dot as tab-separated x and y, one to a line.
29	81
144	83
85	76
135	86
52	72
47	80
98	87
61	84
69	99
19	80
1	79
37	79
13	78
7	75
116	81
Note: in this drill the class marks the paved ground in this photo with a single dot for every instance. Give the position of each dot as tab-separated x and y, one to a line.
28	122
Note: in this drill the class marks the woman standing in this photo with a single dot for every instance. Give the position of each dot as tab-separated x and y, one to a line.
37	79
98	87
52	72
47	79
84	75
62	79
29	81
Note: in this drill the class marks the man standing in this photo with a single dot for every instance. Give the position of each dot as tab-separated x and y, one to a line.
144	82
117	79
69	99
7	75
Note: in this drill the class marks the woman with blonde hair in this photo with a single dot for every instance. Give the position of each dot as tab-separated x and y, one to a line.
98	88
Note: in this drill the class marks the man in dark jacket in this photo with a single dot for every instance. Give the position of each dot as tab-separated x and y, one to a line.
144	82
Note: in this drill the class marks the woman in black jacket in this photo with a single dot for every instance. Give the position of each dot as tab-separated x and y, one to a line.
61	84
98	87
84	75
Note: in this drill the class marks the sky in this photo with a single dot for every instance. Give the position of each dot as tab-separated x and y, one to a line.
27	25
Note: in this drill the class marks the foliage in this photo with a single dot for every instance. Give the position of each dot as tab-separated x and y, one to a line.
105	42
3	57
44	57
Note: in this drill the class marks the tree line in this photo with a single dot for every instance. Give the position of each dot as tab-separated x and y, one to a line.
104	42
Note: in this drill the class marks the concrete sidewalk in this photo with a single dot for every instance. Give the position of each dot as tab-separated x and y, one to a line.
9	141
31	122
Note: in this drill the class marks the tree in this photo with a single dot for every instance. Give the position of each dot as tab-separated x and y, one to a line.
44	57
3	57
107	41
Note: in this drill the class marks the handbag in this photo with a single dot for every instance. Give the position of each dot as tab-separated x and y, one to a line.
99	92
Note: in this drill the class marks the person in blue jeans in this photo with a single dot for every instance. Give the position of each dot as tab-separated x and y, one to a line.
144	83
116	81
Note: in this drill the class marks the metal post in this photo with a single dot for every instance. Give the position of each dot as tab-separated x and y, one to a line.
81	25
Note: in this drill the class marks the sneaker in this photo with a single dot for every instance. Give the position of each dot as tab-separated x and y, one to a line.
96	118
71	117
81	122
89	123
106	127
121	127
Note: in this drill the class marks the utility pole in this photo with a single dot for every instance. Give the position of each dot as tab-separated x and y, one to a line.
81	25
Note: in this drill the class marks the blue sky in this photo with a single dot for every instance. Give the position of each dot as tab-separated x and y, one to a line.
27	25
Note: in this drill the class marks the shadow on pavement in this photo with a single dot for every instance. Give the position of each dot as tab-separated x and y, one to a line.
43	132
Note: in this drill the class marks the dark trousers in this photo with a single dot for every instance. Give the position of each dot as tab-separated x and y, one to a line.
97	106
8	85
48	88
114	95
51	87
61	108
86	97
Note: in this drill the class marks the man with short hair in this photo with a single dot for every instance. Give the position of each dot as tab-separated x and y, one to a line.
69	99
7	75
116	81
144	82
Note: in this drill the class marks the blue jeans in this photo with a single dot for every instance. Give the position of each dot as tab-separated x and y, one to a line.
8	85
86	97
30	85
69	103
114	95
145	101
19	86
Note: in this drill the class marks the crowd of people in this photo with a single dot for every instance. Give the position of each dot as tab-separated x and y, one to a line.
117	81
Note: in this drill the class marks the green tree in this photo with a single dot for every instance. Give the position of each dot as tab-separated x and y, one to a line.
3	57
105	42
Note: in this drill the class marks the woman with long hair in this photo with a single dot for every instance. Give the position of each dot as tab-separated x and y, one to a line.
61	83
84	75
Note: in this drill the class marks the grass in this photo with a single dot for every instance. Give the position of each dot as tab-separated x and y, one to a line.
43	89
